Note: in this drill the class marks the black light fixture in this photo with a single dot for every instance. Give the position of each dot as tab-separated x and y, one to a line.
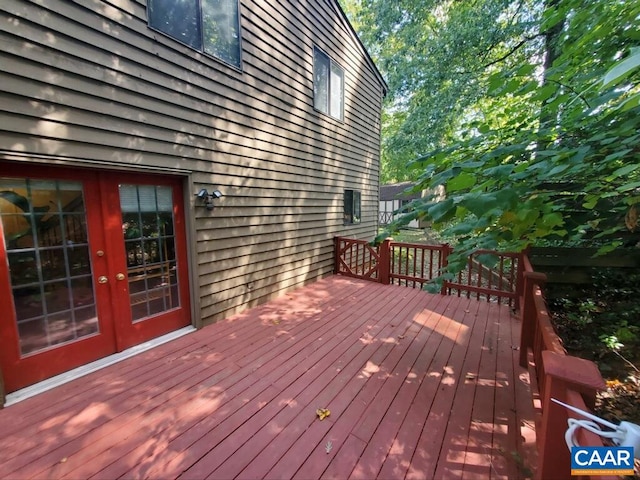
207	198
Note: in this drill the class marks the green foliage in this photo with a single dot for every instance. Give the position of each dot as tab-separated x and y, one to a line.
436	56
600	321
550	153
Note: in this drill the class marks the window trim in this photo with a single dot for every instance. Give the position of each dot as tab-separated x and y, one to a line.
332	64
201	50
355	205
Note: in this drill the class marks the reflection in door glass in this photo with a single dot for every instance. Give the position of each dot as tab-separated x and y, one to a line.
147	228
45	236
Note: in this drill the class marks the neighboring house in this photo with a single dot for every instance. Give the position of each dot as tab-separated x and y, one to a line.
117	115
394	196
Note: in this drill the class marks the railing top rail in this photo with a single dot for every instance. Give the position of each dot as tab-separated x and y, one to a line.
526	263
423	246
352	240
498	254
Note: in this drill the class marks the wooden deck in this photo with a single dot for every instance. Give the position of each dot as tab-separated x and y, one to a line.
418	386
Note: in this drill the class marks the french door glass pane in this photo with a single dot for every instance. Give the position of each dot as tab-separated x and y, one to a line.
45	236
148	234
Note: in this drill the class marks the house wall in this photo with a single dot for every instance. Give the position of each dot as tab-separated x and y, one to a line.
88	83
387	207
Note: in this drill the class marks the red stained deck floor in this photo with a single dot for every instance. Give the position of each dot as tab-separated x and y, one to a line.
418	386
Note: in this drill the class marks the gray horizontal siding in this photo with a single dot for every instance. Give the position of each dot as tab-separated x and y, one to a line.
90	81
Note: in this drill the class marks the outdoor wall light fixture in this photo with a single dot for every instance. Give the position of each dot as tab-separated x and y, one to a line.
207	198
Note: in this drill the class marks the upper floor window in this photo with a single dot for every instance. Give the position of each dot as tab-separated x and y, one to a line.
211	26
328	85
352	210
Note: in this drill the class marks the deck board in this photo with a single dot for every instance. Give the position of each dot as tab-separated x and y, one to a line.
418	385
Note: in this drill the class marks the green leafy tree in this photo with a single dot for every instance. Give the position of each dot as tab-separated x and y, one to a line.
436	56
557	156
543	141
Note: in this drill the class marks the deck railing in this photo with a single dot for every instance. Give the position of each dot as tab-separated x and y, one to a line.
356	258
414	265
553	373
385	218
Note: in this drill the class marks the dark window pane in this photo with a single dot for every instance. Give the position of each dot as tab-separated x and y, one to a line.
48	230
33	336
149	224
131	226
356	207
175	298
75	228
178	19
23	267
168	249
57	297
79	262
151	251
53	263
134	253
82	290
173	278
221	29
17	229
351	206
166	223
86	321
139	310
28	302
320	81
348	206
61	328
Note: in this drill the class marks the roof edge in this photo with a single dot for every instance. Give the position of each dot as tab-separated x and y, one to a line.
385	87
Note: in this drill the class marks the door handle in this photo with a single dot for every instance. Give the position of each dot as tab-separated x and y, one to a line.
120	276
103	279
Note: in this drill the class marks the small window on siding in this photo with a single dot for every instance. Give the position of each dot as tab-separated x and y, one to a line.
352	207
211	26
328	85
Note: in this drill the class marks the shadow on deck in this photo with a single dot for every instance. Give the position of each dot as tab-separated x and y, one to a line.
418	386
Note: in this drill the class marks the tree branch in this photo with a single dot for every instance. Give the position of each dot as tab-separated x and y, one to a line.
512	51
570	88
495	44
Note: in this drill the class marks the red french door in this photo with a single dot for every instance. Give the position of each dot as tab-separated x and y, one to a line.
90	264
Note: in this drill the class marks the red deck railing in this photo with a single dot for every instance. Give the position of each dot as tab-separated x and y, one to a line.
553	373
414	265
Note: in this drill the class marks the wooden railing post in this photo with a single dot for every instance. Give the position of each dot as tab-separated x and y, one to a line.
3	397
384	266
562	372
336	255
528	313
446	250
520	278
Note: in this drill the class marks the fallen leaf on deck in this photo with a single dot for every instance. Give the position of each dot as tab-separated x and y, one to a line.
322	413
470	376
328	447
